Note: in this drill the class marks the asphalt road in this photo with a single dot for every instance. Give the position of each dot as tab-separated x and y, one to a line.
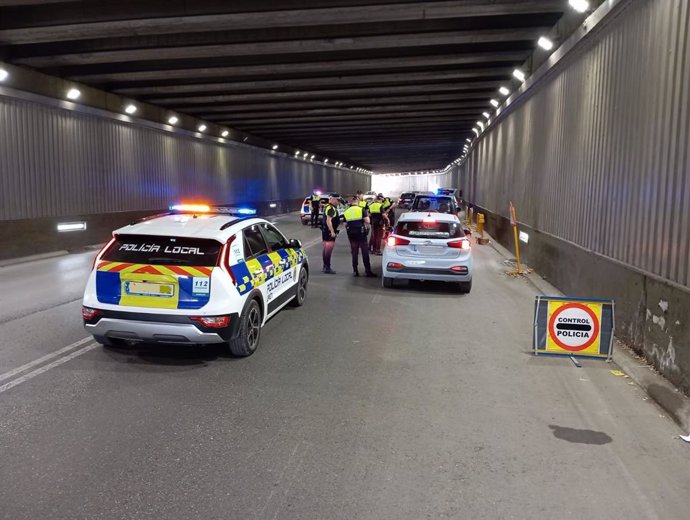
411	403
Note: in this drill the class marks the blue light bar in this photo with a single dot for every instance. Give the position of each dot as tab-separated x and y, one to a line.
246	211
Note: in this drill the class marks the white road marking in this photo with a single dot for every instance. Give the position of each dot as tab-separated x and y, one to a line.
47	367
43	359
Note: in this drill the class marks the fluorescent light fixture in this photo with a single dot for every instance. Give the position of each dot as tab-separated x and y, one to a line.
579	5
524	237
475	131
504	91
130	109
545	43
305	155
172	120
494	103
469	140
201	128
517	73
273	205
325	161
486	115
3	74
225	133
73	93
63	227
481	125
274	147
312	157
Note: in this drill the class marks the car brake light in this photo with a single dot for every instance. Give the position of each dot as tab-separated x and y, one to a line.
394	265
429	220
102	252
88	313
397	241
459	269
460	244
214	322
224	258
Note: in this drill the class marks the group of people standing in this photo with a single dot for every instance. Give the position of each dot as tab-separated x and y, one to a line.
360	218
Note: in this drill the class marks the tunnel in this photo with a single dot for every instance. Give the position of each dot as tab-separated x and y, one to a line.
344	259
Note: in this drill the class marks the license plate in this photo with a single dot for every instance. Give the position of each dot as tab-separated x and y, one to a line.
429	250
164	290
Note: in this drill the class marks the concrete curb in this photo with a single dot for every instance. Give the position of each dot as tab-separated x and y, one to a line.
663	393
32	258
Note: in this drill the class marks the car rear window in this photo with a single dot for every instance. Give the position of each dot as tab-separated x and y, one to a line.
422	229
407	196
159	250
440	204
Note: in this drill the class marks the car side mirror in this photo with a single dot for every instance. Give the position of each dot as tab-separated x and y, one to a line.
294	243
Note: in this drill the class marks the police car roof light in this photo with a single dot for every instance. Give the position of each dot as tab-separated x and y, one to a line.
191	208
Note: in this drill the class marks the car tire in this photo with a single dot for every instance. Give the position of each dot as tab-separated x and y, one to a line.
305	222
300	288
110	342
247	339
387	282
465	287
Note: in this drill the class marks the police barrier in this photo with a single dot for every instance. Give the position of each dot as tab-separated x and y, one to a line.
573	326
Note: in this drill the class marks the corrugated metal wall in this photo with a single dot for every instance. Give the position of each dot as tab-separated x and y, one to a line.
55	162
598	155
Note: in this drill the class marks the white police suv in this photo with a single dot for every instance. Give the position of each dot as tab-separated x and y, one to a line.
196	275
428	246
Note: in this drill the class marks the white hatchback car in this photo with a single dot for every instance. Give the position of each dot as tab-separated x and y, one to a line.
195	275
428	246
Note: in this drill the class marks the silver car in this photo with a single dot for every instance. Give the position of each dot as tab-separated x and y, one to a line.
428	246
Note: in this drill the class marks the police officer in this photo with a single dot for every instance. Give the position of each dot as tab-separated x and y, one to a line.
376	211
362	203
329	232
357	220
315	206
388	210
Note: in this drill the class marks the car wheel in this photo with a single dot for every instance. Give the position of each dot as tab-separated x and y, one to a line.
387	282
110	342
305	222
301	289
465	287
250	331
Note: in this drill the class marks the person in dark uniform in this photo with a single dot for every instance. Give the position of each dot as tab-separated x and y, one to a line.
315	206
388	210
376	212
329	232
357	219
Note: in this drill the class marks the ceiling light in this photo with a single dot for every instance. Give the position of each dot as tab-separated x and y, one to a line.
486	115
469	140
274	147
73	93
305	155
504	91
201	128
494	103
475	131
130	109
3	74
312	157
325	161
481	125
296	153
545	43
225	133
517	73
579	5
172	120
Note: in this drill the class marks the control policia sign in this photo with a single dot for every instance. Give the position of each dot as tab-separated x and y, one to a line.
573	327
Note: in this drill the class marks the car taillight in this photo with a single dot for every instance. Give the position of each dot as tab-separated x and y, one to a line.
102	252
88	313
459	269
214	322
224	258
397	241
394	265
460	244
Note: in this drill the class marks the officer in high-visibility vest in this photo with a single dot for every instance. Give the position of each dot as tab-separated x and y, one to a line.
315	206
376	211
357	220
388	210
329	232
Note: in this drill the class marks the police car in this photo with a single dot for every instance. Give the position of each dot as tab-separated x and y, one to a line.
305	210
428	246
195	275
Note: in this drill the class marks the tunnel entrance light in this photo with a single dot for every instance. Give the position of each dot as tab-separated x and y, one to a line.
504	91
130	109
224	133
545	43
579	5
73	94
518	74
3	74
201	128
494	103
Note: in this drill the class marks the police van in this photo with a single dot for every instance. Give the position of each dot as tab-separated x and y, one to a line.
195	275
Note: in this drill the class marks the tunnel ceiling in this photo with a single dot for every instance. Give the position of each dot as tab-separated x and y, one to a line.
387	85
